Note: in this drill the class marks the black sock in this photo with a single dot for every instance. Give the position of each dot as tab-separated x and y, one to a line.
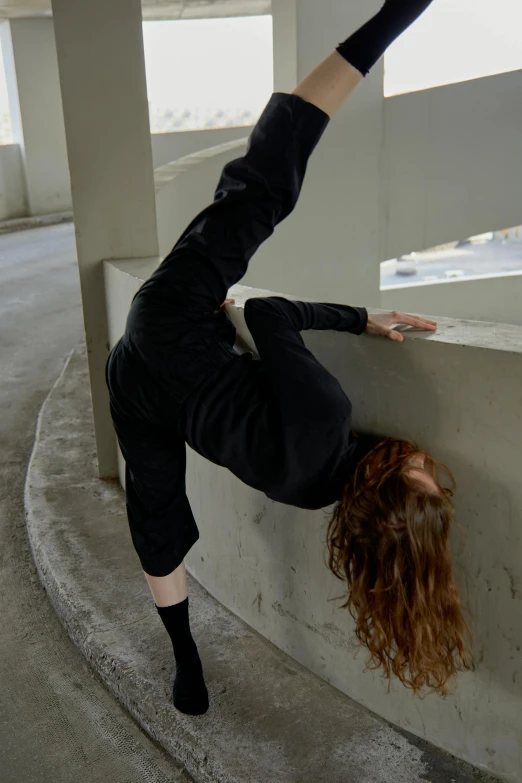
365	47
190	692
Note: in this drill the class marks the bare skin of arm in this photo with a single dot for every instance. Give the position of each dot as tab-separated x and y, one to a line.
330	84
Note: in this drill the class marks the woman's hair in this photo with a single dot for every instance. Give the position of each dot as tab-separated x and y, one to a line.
389	539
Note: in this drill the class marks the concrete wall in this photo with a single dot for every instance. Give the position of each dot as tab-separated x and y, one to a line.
13	201
391	175
497	298
110	160
186	186
449	167
335	226
452	166
266	562
36	111
432	186
168	147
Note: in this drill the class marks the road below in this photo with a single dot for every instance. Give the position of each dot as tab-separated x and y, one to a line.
491	258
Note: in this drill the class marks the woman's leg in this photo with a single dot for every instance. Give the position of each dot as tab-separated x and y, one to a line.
163	529
170	594
168	590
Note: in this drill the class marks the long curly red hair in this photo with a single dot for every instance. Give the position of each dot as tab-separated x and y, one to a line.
389	540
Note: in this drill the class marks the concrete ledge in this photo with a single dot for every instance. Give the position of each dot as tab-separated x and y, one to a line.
479	298
184	187
37	221
167	173
168	146
270	719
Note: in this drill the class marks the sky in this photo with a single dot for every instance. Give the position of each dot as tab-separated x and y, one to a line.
227	63
212	63
453	41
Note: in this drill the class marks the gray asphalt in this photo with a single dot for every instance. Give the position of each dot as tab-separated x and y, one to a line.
495	257
57	722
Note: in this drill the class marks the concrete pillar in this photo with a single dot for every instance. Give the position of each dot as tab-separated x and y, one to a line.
102	74
36	111
330	248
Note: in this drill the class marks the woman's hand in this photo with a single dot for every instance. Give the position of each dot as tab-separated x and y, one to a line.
225	303
381	324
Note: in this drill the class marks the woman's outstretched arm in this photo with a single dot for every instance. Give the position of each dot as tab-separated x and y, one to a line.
333	81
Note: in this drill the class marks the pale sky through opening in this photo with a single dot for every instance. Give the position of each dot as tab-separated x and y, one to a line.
227	63
456	40
213	63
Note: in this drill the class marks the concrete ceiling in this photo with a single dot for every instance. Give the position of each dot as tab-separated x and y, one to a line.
153	9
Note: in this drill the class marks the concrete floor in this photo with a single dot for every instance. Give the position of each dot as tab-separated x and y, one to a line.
57	723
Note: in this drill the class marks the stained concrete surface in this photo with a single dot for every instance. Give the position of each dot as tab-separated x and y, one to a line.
57	722
270	720
36	221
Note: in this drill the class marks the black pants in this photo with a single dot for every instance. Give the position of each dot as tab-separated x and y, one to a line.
175	335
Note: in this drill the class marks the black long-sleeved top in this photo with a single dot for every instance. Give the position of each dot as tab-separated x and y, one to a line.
283	424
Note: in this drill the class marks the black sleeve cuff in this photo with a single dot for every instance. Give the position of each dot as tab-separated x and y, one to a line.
363	316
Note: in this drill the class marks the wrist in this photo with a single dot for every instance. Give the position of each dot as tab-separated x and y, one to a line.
363	317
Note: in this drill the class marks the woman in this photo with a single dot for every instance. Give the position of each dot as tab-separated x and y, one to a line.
281	424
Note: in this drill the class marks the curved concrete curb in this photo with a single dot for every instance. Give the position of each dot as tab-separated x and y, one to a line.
270	719
37	221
